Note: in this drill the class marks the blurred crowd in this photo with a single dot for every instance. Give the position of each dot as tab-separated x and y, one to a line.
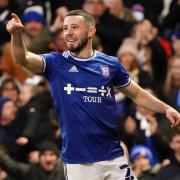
144	35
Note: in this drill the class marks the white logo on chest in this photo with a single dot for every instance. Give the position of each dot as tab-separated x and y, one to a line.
73	69
94	99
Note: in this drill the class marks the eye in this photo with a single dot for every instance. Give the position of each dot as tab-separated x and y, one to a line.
65	28
75	27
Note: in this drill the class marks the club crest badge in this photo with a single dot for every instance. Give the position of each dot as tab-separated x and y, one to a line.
105	70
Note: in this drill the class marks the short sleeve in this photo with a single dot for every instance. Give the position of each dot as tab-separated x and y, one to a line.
49	64
122	78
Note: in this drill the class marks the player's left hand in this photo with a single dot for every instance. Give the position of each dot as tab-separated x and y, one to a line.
173	116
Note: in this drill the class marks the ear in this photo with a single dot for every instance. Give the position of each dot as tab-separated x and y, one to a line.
92	31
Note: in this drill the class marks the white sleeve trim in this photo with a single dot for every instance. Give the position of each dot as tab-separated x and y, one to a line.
44	64
126	84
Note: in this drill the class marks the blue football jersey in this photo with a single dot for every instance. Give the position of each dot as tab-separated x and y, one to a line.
83	95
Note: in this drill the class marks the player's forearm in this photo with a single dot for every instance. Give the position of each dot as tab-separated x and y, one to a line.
148	101
18	48
143	98
21	56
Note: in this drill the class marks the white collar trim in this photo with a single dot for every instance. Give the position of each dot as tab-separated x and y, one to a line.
83	59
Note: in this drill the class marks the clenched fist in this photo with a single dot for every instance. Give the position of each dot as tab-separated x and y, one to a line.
14	25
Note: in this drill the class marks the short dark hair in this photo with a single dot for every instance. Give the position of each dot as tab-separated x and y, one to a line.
48	146
88	18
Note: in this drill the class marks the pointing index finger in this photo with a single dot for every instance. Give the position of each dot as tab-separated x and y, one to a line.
15	16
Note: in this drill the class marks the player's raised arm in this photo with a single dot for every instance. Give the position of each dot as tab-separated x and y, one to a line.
29	60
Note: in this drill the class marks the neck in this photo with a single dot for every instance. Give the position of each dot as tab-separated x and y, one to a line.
86	52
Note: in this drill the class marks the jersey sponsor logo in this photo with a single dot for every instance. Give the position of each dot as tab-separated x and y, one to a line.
73	69
102	92
92	99
105	70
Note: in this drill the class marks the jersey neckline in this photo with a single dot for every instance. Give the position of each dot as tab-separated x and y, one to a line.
83	59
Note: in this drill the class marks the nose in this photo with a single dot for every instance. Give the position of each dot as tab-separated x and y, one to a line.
69	31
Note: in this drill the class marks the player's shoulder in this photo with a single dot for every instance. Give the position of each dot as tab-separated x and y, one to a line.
56	53
107	58
56	56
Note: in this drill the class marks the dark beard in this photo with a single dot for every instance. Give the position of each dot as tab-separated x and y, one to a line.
81	45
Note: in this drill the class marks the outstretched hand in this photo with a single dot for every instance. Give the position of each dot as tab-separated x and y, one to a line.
173	116
14	25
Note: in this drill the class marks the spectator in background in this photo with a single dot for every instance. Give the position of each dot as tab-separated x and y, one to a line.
130	132
42	7
172	171
10	88
71	4
145	124
138	12
172	83
48	168
49	7
56	30
6	7
57	25
171	22
110	29
152	9
3	174
9	68
58	43
117	8
97	44
43	92
35	34
37	39
141	126
175	40
8	132
29	5
152	55
32	120
128	56
142	163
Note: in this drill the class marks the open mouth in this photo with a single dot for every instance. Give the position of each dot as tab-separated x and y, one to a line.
71	40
